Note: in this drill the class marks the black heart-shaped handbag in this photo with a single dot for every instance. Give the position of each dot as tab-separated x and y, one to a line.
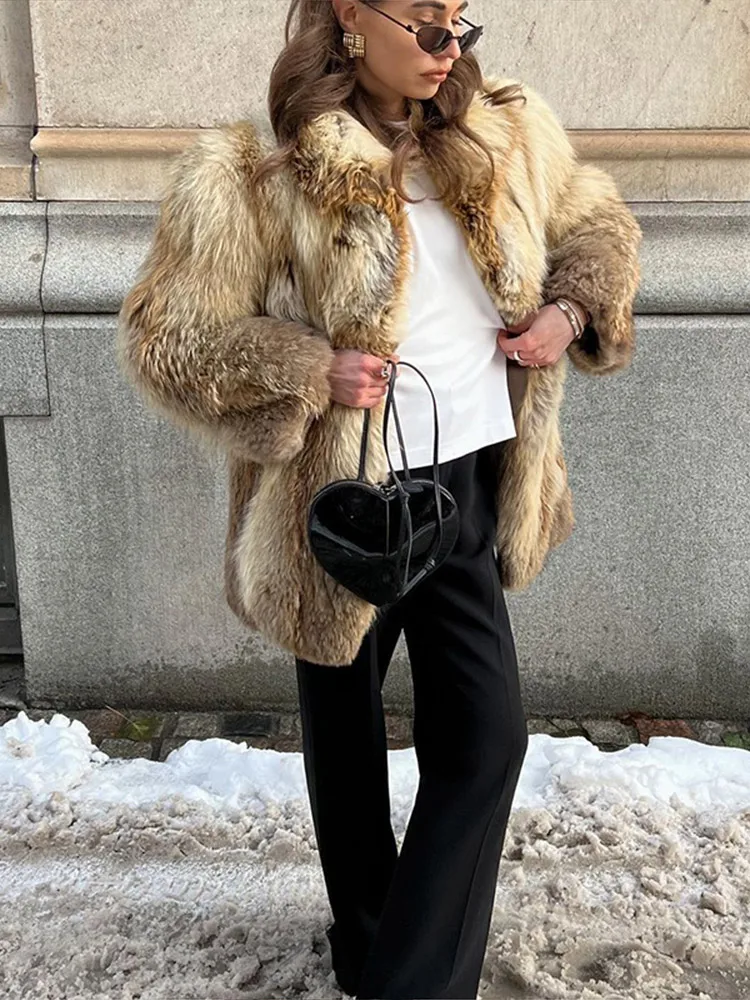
380	540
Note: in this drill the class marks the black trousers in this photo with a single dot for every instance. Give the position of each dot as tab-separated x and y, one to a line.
415	924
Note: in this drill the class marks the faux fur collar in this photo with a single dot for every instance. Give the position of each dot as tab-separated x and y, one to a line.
339	161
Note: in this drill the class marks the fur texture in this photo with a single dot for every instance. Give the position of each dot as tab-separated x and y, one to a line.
231	325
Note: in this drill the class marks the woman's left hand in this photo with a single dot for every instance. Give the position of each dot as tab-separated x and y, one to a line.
544	337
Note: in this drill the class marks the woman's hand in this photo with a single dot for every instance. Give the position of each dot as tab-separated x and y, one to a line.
545	335
356	378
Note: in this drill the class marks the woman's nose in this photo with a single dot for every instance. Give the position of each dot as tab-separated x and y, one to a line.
453	50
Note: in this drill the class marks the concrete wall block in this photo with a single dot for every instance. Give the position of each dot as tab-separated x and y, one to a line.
120	522
638	64
132	164
16	182
23	238
17	95
94	251
645	607
23	375
695	256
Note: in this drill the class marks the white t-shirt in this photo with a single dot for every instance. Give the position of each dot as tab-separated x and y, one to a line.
451	335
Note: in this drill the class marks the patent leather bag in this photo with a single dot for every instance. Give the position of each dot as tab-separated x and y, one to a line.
380	540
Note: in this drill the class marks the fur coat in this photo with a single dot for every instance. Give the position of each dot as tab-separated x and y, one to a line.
230	328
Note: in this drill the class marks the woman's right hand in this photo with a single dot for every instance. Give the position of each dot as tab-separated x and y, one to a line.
356	378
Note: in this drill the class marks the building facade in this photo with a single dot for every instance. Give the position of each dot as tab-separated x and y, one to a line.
112	522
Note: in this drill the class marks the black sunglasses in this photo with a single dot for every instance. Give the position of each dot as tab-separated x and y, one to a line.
434	39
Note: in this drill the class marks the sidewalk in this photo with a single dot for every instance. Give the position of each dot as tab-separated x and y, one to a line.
133	732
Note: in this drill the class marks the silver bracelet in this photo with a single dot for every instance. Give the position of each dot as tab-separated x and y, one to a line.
574	318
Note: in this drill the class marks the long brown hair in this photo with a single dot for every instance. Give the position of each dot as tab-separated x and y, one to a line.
314	74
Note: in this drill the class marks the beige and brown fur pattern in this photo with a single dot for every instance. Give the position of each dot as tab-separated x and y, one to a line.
231	325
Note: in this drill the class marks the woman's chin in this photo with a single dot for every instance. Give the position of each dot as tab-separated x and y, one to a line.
424	88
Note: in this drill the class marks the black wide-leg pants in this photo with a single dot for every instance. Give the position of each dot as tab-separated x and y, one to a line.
415	925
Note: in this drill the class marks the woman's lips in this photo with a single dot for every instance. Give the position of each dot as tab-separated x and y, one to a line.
437	75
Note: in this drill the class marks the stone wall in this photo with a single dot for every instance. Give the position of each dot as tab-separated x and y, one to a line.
644	608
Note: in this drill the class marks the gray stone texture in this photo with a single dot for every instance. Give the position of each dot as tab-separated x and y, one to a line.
535	726
565	727
643	64
609	732
695	256
103	725
713	731
15	163
646	606
198	725
17	98
17	107
93	254
129	749
120	572
120	519
23	240
23	377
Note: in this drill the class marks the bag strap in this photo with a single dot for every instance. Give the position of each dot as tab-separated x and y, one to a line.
435	475
401	445
406	522
390	404
366	431
363	445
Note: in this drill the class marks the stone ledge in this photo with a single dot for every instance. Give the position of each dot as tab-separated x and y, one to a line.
96	164
93	254
23	238
103	164
672	165
623	638
661	143
695	257
169	731
16	164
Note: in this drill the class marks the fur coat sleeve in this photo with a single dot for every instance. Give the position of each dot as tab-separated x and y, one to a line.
593	241
191	335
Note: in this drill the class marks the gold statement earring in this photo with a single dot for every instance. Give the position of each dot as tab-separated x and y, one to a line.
354	45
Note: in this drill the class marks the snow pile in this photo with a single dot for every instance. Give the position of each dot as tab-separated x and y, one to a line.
625	876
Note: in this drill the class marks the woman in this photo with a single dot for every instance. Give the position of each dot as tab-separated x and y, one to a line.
287	270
